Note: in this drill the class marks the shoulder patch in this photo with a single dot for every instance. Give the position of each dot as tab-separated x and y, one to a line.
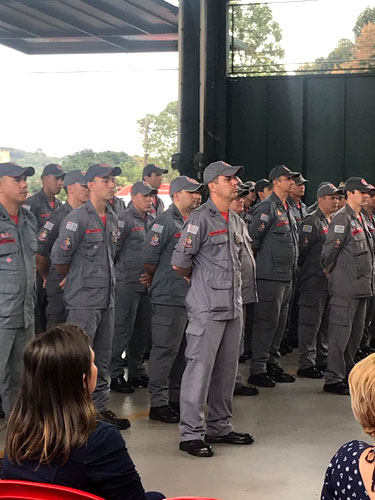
27	207
121	224
157	228
72	226
49	225
192	229
339	229
307	229
265	217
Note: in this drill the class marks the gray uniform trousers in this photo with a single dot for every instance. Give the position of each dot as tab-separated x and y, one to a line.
99	325
211	364
55	311
313	328
346	323
271	314
132	327
167	361
12	346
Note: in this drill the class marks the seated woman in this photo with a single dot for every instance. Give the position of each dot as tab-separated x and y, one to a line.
351	472
53	434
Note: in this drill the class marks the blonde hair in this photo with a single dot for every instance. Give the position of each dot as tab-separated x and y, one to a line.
362	392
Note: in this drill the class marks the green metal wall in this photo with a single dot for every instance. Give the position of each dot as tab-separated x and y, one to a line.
322	126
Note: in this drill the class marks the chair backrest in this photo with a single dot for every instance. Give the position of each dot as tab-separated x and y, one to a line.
190	498
28	490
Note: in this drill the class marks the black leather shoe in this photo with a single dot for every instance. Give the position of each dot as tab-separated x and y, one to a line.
197	448
164	414
246	390
139	381
244	358
322	368
231	438
110	417
261	379
311	372
175	405
119	384
278	375
339	388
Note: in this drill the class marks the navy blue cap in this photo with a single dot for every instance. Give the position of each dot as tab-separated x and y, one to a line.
280	170
359	184
75	176
153	169
53	169
101	170
143	188
11	169
261	184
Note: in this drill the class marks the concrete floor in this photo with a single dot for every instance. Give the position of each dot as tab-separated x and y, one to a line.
297	429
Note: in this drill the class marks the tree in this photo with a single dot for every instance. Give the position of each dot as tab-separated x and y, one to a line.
257	37
366	17
159	135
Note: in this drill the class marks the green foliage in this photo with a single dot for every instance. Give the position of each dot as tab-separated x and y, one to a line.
159	135
253	28
366	17
341	54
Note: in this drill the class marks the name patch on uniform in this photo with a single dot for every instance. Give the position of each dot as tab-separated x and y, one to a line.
157	228
90	231
138	228
307	229
121	224
45	215
265	217
10	240
339	229
72	226
220	231
177	235
49	225
192	229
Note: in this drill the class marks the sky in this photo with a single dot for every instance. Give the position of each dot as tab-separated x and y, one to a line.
65	103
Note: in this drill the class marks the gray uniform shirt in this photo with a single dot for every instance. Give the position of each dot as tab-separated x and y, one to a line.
248	274
299	212
132	229
274	234
46	238
157	207
17	269
167	287
39	205
89	248
118	205
348	256
213	248
312	234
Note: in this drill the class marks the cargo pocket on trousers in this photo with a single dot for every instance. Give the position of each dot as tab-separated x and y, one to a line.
308	311
194	342
161	330
339	311
220	295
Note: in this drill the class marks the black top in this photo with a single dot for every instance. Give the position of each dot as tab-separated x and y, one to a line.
102	467
343	479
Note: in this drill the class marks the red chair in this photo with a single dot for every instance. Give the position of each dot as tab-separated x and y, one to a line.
27	490
189	498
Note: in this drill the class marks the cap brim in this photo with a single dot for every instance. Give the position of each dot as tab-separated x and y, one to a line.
230	171
293	175
27	171
194	189
152	191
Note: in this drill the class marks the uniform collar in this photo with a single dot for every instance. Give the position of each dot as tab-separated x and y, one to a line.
90	208
44	197
275	198
4	215
321	215
175	212
135	213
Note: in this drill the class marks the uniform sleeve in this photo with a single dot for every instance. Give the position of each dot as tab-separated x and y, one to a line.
34	204
337	233
189	243
307	234
124	228
47	236
70	235
261	221
111	469
157	238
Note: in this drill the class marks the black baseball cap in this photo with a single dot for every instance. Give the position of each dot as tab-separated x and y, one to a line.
261	184
280	170
143	188
153	169
11	169
243	189
53	169
359	184
217	168
250	185
184	183
300	180
327	189
101	170
75	176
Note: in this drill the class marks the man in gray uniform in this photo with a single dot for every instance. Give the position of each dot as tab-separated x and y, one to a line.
42	204
313	286
77	195
348	260
168	292
153	175
274	234
117	204
84	253
17	278
133	308
209	255
297	207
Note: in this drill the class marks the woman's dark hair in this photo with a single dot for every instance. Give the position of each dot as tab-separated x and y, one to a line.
54	412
